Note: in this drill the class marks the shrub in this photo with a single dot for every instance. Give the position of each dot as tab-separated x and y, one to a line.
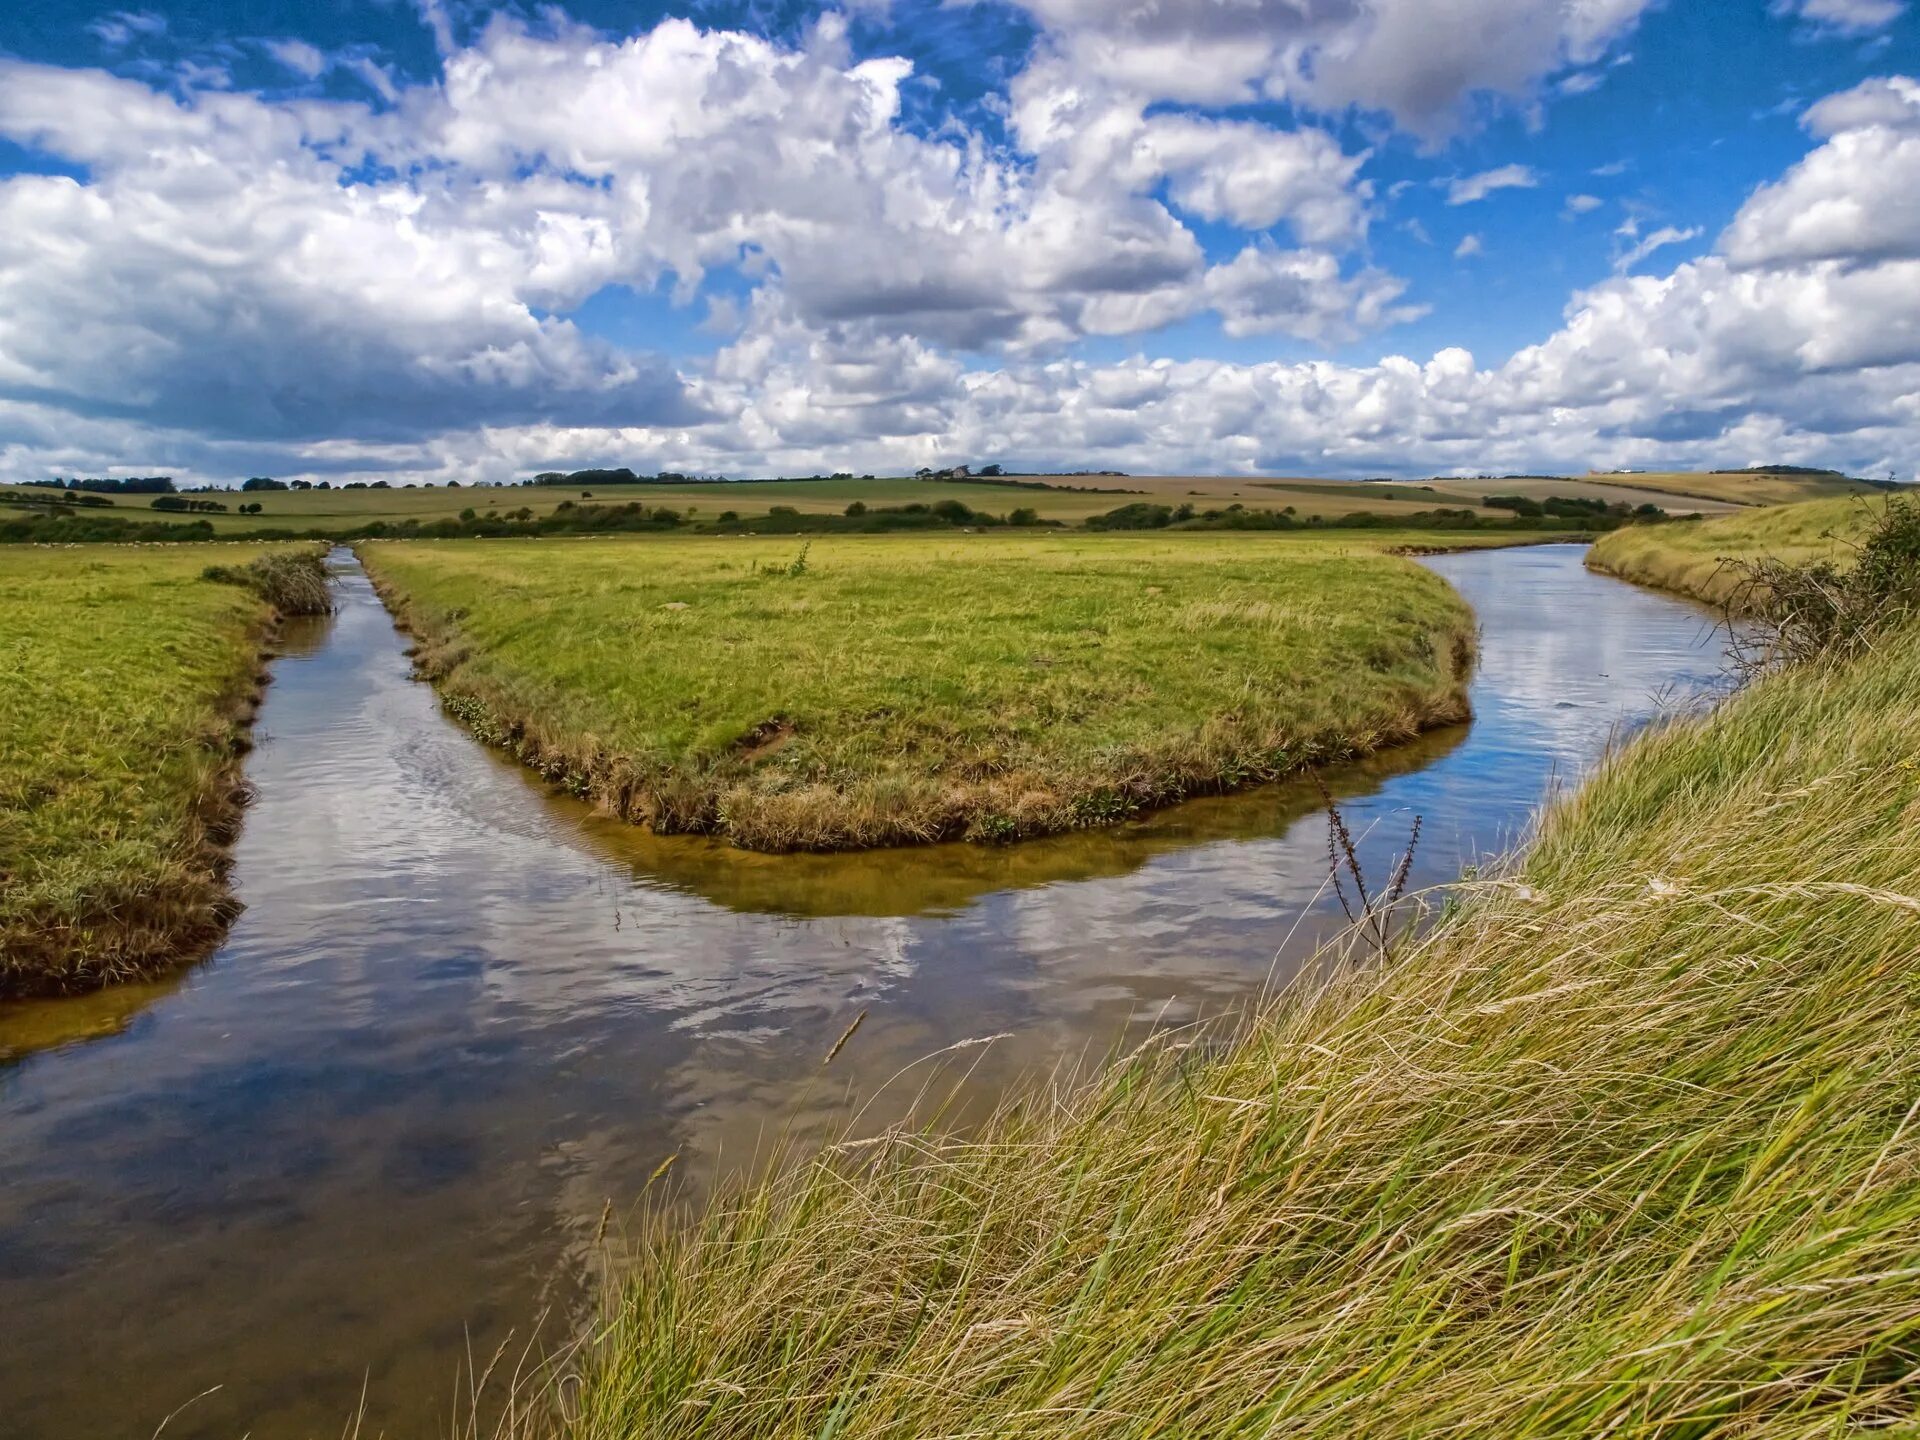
1799	612
1140	515
293	582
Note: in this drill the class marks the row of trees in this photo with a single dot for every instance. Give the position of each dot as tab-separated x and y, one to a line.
125	485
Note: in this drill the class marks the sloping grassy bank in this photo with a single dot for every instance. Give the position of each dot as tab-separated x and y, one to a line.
1691	559
130	679
1628	1147
895	690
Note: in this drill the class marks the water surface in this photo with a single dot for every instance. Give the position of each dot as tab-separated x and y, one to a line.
378	1130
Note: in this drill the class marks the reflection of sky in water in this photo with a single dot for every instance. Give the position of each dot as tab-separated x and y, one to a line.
459	1015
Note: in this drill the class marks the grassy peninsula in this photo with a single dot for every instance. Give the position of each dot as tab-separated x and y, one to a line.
1702	560
1627	1146
131	676
850	692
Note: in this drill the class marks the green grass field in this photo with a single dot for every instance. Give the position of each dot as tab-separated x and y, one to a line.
1069	500
1692	559
1064	501
128	682
1626	1147
907	689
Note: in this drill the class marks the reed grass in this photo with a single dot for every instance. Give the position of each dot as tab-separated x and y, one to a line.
1628	1146
130	680
895	690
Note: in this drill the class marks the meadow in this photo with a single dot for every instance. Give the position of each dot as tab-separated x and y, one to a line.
1067	500
1624	1145
130	679
1064	500
850	692
1700	560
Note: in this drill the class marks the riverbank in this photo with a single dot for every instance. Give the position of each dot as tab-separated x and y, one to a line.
132	682
1625	1147
460	1013
1701	560
852	693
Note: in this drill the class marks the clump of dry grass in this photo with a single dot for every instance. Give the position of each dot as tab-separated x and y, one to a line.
293	581
1629	1146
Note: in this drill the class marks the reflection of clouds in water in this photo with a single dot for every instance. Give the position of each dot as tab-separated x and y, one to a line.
1569	654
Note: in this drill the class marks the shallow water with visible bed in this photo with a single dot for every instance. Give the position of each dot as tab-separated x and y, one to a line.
377	1132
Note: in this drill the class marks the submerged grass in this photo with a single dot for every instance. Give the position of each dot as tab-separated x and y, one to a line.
1628	1146
1701	560
892	690
129	682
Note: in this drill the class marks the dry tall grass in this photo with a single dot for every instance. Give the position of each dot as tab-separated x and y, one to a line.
1630	1146
293	581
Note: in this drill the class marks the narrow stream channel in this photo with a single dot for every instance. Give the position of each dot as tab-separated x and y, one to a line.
376	1132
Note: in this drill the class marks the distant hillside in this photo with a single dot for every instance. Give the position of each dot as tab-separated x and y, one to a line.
1769	485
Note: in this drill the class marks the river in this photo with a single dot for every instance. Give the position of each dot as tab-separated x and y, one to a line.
376	1133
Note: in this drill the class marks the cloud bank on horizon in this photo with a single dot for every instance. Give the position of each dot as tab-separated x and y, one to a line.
1351	237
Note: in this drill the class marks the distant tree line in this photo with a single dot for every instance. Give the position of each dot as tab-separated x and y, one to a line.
1568	507
621	476
128	485
1590	516
625	476
60	498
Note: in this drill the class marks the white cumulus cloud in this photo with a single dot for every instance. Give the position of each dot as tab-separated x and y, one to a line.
1422	62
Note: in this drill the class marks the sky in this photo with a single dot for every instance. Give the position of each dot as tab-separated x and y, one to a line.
438	239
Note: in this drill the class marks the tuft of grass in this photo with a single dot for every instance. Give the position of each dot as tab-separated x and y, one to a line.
293	582
914	689
129	683
1703	560
1628	1146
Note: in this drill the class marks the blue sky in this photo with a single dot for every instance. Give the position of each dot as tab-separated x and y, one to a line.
357	236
